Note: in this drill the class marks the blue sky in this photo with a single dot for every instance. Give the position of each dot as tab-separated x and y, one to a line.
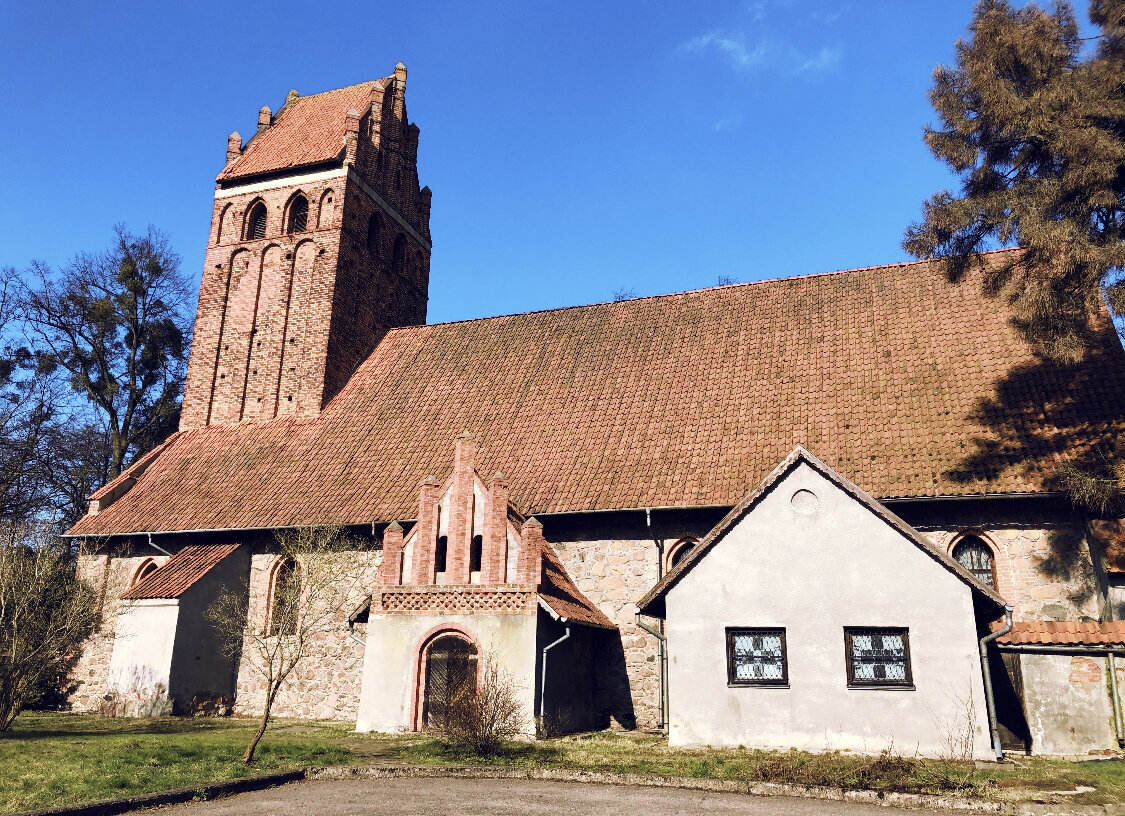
574	148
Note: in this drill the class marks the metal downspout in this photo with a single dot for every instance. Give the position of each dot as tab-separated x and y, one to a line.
659	635
663	670
989	700
1115	698
543	678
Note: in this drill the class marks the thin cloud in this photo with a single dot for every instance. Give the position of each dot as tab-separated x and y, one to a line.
830	17
824	61
732	47
728	123
742	57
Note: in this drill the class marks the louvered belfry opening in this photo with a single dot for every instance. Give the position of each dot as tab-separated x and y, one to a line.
256	224
451	673
299	215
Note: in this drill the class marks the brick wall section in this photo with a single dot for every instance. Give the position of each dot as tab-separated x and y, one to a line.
110	577
326	684
461	512
494	553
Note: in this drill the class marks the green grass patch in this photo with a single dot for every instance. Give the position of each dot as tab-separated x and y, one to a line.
47	760
56	759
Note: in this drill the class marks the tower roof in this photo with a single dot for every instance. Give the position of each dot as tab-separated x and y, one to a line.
308	130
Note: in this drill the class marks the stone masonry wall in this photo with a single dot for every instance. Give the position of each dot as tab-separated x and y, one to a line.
110	576
326	684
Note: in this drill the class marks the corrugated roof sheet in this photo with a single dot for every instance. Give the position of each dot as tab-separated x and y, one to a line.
309	130
180	573
906	384
1065	633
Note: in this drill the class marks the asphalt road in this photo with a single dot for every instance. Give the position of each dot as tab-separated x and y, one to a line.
507	797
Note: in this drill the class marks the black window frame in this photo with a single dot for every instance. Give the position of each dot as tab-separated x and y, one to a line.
765	631
849	657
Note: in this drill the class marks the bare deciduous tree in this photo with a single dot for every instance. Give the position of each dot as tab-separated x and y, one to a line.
482	715
316	585
46	614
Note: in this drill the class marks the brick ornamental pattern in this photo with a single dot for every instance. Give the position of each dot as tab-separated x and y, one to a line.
498	600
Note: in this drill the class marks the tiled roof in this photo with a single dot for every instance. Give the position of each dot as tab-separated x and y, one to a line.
559	593
653	602
1065	633
180	573
906	384
309	130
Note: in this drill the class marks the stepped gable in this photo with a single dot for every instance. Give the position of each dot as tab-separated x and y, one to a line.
308	130
906	384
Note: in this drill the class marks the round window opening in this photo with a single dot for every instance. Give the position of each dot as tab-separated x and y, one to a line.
805	502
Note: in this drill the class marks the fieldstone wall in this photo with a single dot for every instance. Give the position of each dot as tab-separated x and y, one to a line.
1046	573
111	576
614	559
326	683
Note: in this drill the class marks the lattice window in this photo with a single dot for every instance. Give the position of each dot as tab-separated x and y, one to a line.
878	657
756	657
976	556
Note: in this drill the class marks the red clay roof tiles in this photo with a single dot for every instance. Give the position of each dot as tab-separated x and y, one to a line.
309	130
908	385
559	592
1065	633
181	572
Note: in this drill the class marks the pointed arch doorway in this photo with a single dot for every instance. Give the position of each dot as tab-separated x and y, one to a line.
450	671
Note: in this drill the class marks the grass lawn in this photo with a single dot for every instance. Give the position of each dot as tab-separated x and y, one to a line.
48	760
55	759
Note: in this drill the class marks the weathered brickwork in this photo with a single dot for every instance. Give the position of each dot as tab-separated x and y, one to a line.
326	684
284	319
110	576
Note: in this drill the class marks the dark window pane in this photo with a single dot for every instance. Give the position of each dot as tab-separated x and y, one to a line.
879	657
975	556
756	657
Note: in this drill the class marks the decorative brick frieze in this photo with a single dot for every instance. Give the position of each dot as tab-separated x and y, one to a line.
510	599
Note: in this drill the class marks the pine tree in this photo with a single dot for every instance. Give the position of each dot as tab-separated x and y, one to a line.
1036	133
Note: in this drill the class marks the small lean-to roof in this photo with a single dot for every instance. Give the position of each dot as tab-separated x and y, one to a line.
182	571
564	599
910	385
306	131
653	602
1065	633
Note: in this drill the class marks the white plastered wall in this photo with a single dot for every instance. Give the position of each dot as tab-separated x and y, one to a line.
390	666
141	665
813	574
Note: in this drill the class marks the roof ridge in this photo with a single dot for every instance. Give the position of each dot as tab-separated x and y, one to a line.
690	291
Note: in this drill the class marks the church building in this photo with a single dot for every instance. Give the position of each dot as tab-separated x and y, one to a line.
798	512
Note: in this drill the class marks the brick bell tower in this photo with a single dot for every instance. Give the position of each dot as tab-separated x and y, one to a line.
320	243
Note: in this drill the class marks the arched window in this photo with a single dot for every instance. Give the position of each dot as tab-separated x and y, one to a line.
440	553
374	223
256	222
476	550
976	556
324	219
678	551
451	676
147	568
286	596
398	256
222	229
298	215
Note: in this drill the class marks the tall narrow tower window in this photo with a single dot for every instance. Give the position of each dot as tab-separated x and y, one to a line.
398	258
256	223
298	214
373	224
